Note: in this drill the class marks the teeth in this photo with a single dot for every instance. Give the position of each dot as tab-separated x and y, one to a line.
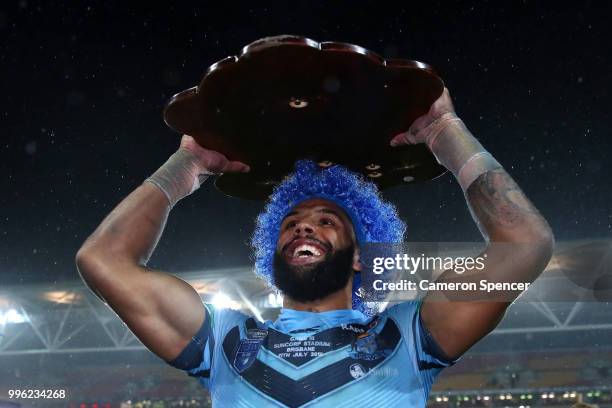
306	247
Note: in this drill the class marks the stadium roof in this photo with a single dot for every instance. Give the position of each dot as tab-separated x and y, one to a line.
68	318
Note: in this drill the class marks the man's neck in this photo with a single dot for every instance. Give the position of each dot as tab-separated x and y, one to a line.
342	299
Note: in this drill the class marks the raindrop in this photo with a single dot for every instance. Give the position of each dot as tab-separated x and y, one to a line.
331	84
31	147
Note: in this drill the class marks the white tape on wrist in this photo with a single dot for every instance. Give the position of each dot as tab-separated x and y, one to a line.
474	167
179	176
459	151
433	130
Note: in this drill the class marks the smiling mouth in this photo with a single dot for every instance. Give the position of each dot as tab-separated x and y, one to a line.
303	252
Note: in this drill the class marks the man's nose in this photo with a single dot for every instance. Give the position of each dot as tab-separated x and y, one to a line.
303	227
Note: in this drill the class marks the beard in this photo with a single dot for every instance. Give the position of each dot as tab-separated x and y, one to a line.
305	283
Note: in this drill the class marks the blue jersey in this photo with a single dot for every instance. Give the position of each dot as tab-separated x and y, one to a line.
339	358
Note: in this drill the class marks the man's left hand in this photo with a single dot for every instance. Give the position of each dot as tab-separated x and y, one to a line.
420	129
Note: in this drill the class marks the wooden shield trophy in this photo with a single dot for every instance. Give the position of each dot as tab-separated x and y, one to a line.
287	98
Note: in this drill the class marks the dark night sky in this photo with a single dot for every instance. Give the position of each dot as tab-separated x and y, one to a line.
84	86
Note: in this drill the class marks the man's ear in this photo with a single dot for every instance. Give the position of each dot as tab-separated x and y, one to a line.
356	262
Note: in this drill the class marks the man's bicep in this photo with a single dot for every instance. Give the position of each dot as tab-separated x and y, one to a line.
457	319
457	326
196	356
175	301
163	311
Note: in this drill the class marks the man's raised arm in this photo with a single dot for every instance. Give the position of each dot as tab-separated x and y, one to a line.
519	240
163	311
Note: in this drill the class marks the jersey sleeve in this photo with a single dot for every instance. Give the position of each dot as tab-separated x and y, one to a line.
430	358
196	357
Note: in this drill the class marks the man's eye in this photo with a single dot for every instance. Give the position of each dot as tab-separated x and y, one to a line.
290	224
327	221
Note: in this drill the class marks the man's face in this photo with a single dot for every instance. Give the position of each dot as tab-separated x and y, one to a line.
316	251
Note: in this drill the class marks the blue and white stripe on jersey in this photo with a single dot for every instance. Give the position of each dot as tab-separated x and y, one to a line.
329	359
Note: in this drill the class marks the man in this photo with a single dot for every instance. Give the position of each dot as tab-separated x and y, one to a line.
326	348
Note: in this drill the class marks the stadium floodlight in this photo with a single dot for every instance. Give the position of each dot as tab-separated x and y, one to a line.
221	301
275	300
62	296
12	316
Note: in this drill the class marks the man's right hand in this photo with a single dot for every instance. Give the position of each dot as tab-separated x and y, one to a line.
211	160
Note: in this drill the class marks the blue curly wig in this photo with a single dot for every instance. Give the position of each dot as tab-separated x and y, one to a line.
374	220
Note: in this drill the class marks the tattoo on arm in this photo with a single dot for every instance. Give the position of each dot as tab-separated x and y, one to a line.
497	202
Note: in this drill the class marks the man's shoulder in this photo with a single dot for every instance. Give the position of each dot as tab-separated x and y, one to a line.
402	309
225	317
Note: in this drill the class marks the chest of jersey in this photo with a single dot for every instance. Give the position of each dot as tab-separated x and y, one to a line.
299	368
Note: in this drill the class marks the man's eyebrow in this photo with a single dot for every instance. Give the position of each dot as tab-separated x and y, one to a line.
322	210
329	211
290	214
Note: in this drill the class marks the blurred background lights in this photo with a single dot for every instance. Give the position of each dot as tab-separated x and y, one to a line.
275	300
222	301
12	316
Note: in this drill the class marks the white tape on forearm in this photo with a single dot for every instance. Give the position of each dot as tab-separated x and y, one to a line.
460	152
179	176
475	166
431	132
